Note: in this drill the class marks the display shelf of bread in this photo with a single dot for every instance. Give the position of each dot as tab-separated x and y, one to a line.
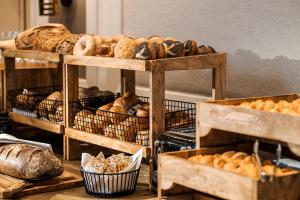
274	117
230	172
42	107
126	119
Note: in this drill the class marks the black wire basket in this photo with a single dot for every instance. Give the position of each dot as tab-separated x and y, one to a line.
127	127
110	185
35	103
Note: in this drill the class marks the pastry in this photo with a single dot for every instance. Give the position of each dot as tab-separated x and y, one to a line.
125	48
219	162
205	49
66	45
145	51
89	123
105	49
85	46
50	104
142	112
29	162
190	48
173	48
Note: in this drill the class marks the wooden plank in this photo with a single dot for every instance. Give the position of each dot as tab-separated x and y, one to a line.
219	78
36	55
245	121
111	143
127	81
189	62
38	123
203	178
35	65
2	66
107	62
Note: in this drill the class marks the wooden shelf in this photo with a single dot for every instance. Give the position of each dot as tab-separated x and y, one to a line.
227	116
2	66
107	142
38	123
170	64
36	55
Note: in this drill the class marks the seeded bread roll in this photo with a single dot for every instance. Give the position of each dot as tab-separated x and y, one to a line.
190	48
205	49
28	162
145	51
67	44
173	49
125	48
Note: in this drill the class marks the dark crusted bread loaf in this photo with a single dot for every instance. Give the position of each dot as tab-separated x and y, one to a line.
28	162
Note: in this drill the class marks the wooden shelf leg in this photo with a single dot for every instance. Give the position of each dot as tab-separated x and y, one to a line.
2	90
70	90
157	108
219	80
9	79
127	81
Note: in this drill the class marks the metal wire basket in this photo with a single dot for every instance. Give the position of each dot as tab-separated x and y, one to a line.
110	185
128	127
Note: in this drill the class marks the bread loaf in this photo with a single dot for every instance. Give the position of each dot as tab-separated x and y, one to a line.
28	162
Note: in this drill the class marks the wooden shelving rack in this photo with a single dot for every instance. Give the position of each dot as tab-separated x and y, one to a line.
156	69
47	72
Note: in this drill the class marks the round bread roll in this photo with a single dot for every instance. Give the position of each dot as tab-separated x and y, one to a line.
89	123
79	121
50	104
156	39
190	48
105	107
85	46
110	130
207	160
117	114
159	49
100	122
105	49
139	41
127	130
39	34
205	49
173	49
219	162
231	166
117	38
142	112
125	48
228	155
66	45
245	105
239	156
170	38
145	51
195	159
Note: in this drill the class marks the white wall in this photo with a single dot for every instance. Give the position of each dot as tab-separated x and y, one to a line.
260	36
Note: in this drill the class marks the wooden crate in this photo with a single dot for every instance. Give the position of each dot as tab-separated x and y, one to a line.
178	175
156	69
47	71
12	188
225	115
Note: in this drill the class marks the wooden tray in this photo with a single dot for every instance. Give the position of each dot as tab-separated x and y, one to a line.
11	187
175	170
225	115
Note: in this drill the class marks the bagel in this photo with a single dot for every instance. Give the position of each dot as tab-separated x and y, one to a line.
85	46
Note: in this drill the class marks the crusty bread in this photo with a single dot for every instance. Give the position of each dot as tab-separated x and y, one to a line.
28	162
